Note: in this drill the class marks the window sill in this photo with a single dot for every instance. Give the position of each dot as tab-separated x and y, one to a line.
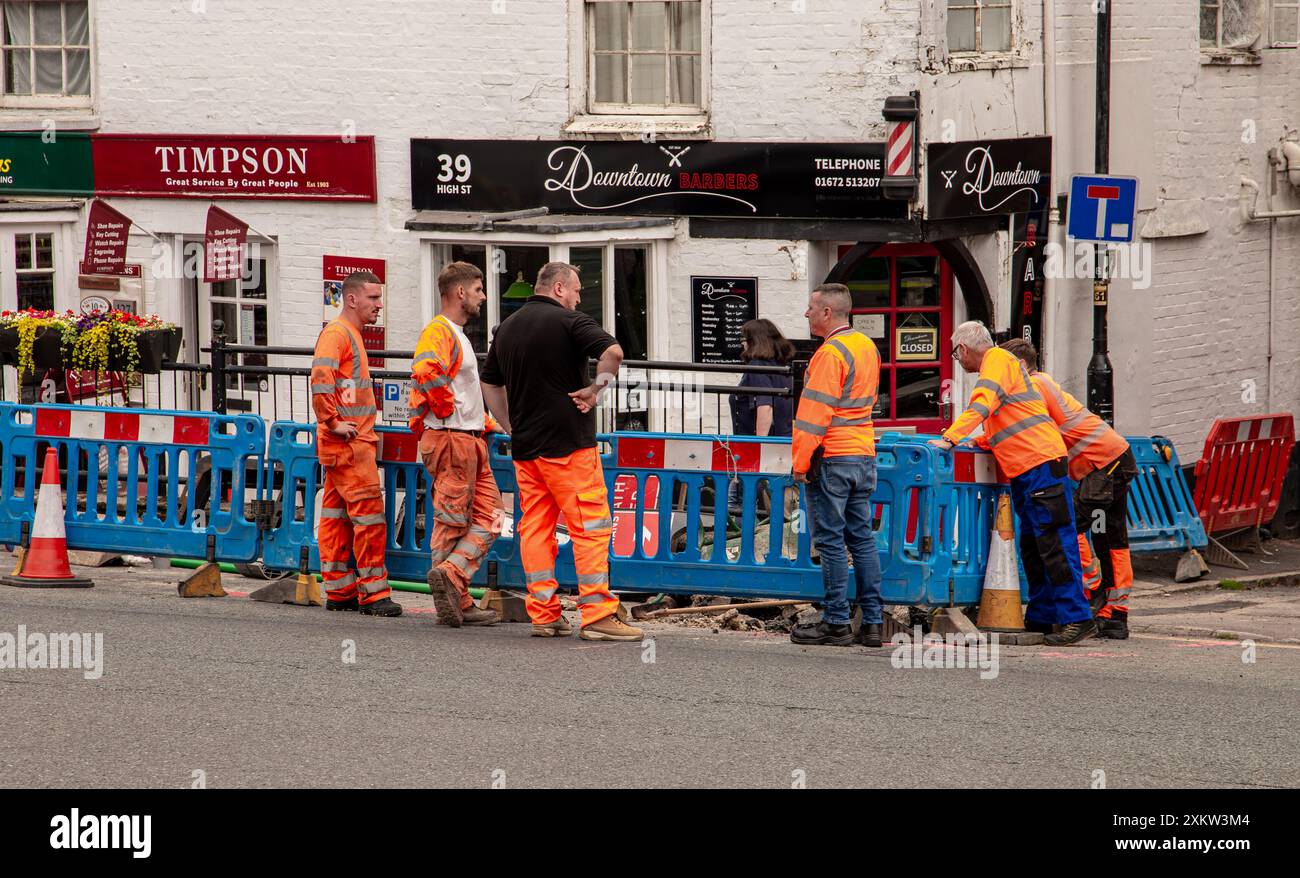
986	61
590	126
33	119
1230	58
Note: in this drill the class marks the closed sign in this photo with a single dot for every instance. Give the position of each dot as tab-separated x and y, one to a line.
916	344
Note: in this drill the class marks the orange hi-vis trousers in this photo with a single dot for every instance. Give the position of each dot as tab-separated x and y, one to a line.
1111	567
352	525
467	513
574	485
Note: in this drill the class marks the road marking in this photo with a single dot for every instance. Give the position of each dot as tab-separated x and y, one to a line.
1202	641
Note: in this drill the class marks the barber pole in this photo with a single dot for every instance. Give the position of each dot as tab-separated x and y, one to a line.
900	181
45	562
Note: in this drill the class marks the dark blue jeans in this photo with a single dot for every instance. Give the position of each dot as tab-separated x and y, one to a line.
841	520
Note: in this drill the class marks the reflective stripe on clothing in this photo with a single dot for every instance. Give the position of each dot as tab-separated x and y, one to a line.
835	408
1090	442
1015	418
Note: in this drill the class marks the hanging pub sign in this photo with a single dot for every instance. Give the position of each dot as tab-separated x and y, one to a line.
988	177
916	343
720	306
223	247
106	234
835	180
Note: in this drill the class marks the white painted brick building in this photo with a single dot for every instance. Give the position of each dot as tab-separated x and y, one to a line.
1188	122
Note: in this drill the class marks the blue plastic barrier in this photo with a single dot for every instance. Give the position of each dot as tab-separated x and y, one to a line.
1161	514
133	477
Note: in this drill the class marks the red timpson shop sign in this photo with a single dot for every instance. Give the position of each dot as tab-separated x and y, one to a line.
214	166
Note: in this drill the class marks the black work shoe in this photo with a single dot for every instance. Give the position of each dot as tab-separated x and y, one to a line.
1071	634
1040	627
1098	600
868	635
349	604
382	607
1112	629
822	634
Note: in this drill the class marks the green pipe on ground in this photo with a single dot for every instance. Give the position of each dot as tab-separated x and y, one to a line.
397	584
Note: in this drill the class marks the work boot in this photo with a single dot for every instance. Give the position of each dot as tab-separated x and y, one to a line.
349	604
868	634
1071	634
382	607
445	598
471	616
610	628
559	628
1114	628
822	634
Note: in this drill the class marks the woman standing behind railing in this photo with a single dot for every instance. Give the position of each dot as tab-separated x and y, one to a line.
762	344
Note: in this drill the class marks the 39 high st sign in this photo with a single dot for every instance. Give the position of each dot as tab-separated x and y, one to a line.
190	166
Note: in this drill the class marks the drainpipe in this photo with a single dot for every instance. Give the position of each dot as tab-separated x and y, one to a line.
1053	213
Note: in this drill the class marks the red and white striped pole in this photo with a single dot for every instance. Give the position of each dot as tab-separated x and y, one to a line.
900	180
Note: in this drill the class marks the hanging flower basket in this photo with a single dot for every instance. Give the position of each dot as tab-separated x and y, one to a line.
33	340
8	345
157	345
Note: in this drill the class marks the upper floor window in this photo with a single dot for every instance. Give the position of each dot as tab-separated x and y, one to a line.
979	26
46	46
1285	23
645	57
1229	24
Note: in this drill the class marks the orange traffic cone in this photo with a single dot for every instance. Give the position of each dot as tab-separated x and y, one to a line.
45	562
1000	608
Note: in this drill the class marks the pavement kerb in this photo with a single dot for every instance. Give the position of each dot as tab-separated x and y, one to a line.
1210	582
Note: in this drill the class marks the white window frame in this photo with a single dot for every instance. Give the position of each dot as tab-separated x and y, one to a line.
59	225
73	102
622	122
643	109
1274	7
979	51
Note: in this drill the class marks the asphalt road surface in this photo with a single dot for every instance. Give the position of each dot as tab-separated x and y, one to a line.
255	695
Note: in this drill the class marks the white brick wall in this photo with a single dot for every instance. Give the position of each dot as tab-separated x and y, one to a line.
400	69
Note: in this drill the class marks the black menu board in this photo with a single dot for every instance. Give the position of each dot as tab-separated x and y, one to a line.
720	307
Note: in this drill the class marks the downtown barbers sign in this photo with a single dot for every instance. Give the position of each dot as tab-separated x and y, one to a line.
833	180
988	177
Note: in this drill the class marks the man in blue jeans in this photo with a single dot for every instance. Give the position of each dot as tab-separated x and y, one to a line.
834	454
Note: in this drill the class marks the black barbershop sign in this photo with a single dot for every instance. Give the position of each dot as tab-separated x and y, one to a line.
988	177
814	180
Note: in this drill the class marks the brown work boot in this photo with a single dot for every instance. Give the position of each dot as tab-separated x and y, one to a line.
559	628
445	598
474	616
609	628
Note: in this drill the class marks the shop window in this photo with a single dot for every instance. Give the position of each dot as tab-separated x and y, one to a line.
1230	24
516	271
590	262
630	302
241	306
476	330
978	26
1284	24
34	270
645	57
46	45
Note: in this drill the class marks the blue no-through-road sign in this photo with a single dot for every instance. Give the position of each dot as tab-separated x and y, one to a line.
1102	208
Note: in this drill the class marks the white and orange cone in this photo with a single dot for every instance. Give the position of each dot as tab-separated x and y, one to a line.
1000	608
45	561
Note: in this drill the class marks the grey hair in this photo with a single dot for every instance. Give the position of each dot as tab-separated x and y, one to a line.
974	335
837	298
551	274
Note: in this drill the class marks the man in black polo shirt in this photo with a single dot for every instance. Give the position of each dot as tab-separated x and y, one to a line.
535	383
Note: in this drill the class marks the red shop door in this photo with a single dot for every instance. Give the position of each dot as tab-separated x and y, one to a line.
902	298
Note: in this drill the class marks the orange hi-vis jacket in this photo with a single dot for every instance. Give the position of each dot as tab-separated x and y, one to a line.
838	396
341	388
1017	427
438	356
1090	442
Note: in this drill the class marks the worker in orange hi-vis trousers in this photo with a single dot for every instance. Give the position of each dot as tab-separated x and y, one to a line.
536	383
1103	465
447	404
352	510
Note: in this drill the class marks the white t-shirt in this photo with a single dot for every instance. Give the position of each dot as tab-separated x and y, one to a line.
468	414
